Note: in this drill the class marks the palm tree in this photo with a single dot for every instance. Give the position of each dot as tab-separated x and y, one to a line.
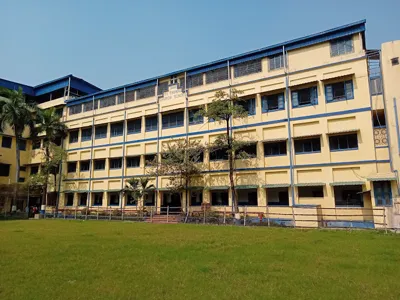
50	126
18	115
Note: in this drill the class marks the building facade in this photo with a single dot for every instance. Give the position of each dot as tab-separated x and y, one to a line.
322	125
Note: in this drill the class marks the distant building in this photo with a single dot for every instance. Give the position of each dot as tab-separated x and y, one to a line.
323	122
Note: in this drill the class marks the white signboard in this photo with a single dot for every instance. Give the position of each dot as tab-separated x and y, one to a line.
173	93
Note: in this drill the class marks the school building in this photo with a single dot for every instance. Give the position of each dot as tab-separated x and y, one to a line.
322	125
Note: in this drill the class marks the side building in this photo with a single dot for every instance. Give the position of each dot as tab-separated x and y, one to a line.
322	124
49	94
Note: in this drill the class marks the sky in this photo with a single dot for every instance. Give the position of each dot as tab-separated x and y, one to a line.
111	43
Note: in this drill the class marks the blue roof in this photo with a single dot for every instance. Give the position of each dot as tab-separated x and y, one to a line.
52	85
334	33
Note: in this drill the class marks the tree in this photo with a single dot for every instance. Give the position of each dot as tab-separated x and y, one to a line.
18	115
180	162
52	129
137	188
223	109
52	159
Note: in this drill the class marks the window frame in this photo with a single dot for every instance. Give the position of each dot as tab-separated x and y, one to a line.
68	199
22	145
72	138
338	137
313	96
348	94
280	98
303	140
6	171
379	192
131	166
101	195
272	62
7	138
97	167
85	138
335	45
280	148
149	123
134	122
103	135
247	68
114	129
219	153
194	117
113	161
110	195
71	169
173	120
249	105
217	75
84	163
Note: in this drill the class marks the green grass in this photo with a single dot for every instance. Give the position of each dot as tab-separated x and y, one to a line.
57	259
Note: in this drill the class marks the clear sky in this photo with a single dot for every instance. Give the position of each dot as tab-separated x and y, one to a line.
115	42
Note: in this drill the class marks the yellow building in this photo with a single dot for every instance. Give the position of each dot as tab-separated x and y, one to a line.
322	125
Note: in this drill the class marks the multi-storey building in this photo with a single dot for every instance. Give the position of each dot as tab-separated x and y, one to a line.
322	127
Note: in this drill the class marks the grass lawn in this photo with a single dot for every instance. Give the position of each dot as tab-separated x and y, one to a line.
58	259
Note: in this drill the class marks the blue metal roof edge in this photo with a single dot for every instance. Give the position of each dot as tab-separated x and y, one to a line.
46	87
295	44
63	78
12	85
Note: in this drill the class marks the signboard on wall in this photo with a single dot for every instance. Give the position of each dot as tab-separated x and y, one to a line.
173	93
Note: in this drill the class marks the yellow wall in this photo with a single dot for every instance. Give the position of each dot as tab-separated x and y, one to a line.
310	66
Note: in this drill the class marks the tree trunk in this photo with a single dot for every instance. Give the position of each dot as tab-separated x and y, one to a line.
231	179
44	196
17	171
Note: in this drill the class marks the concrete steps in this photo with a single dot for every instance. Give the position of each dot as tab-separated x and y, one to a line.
164	219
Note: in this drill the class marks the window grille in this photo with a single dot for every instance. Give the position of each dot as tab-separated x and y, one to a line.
162	88
342	46
134	126
151	123
172	120
217	75
88	106
86	134
195	80
276	62
146	92
130	96
106	102
75	109
101	132
248	67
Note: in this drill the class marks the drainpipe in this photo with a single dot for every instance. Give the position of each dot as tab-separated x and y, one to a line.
372	110
289	125
398	139
89	194
187	138
233	196
121	198
59	181
159	122
69	87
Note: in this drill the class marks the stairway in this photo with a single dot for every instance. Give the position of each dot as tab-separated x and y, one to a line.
164	219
